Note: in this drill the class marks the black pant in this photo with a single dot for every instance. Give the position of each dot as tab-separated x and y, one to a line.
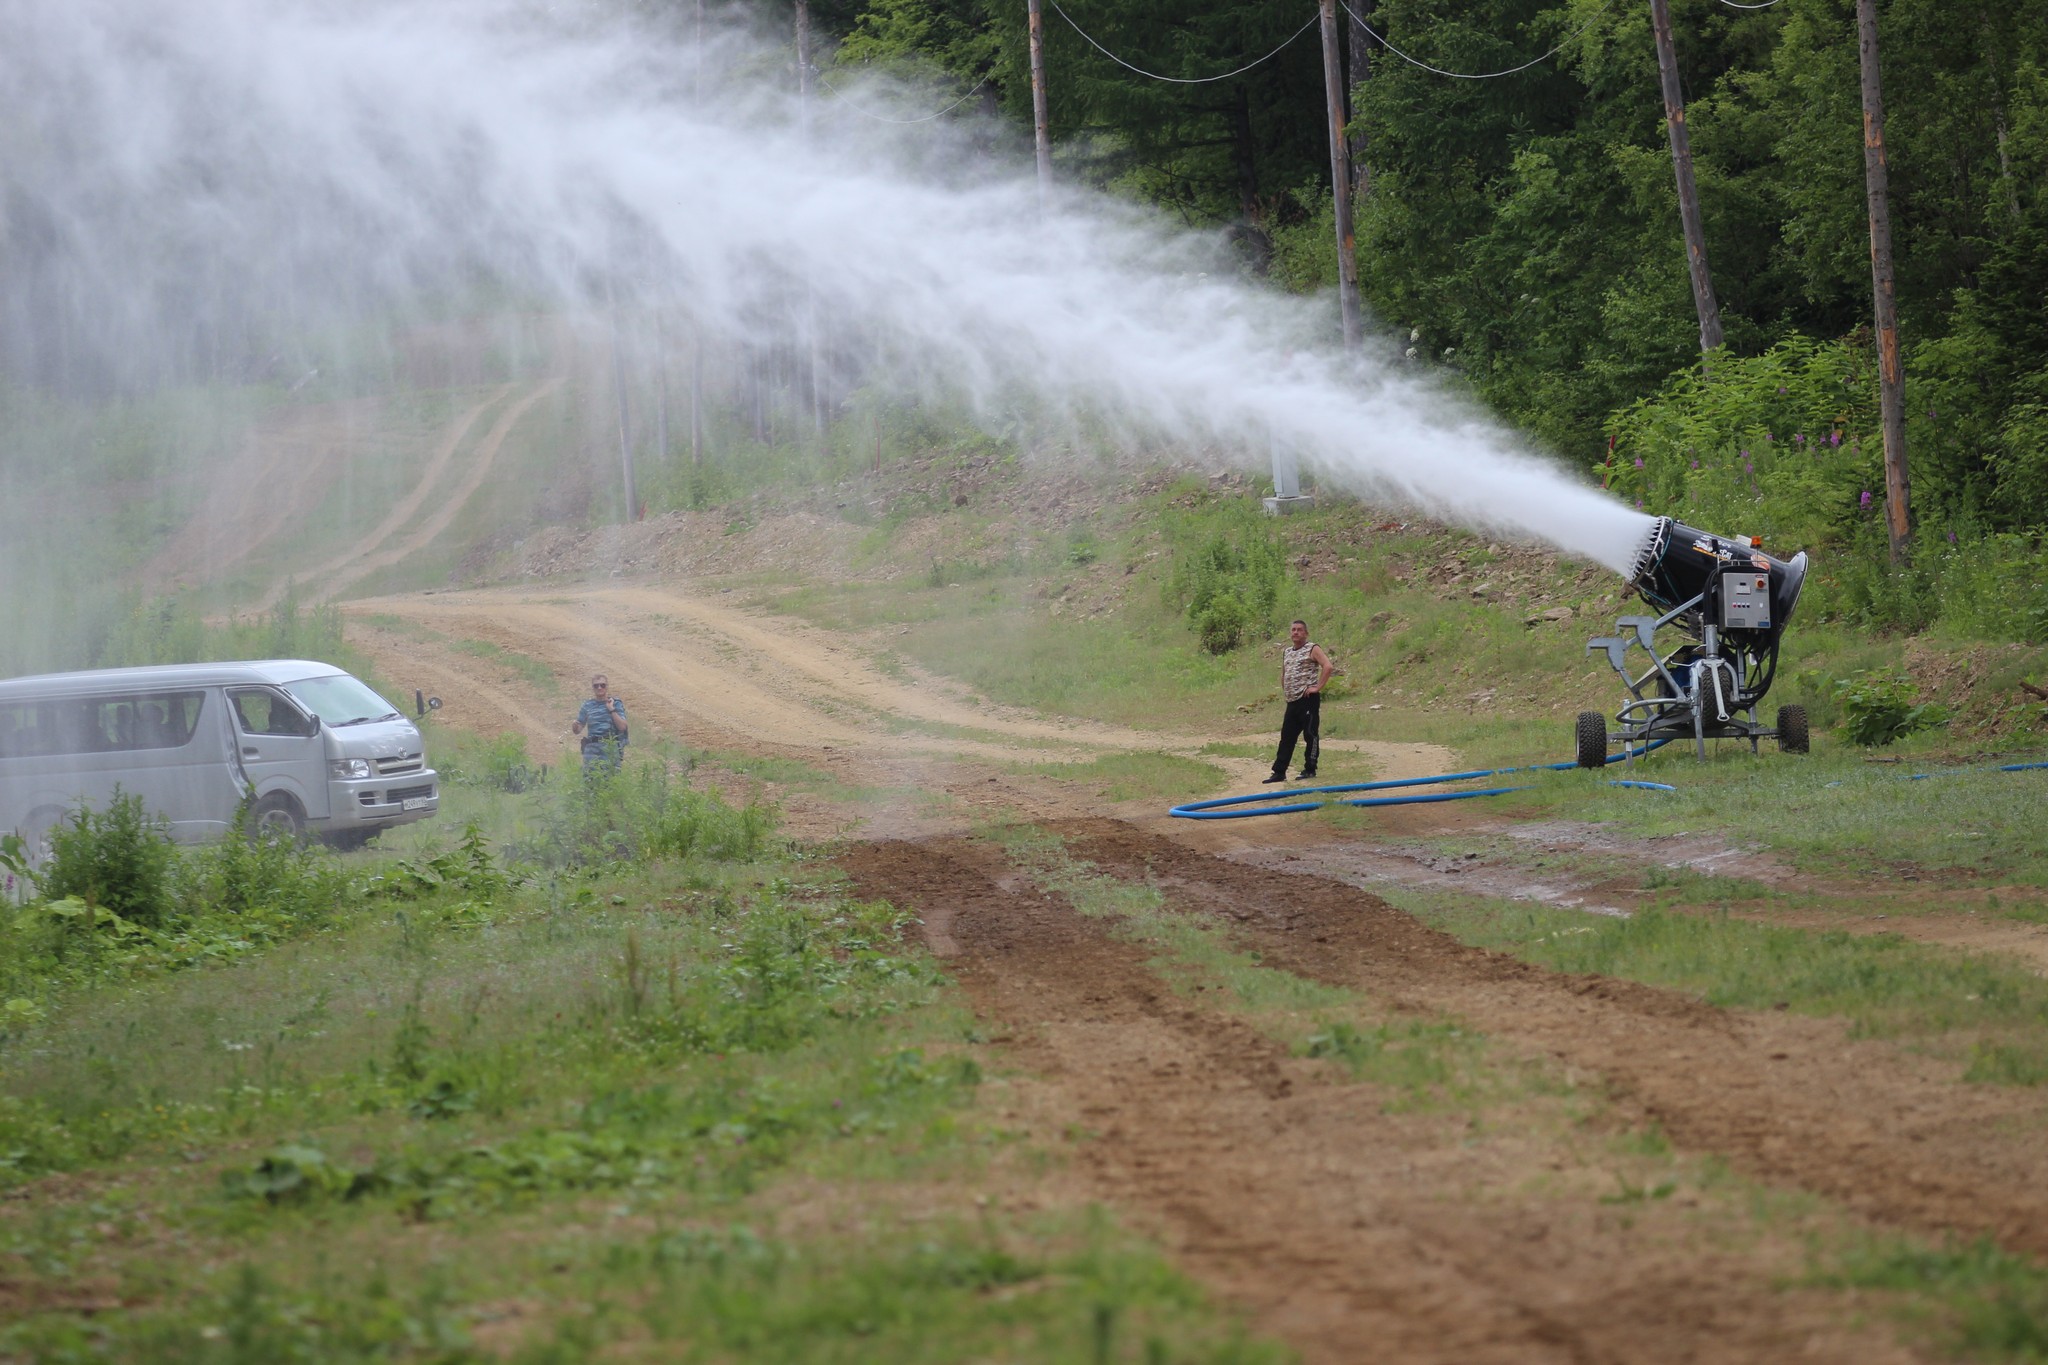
1304	720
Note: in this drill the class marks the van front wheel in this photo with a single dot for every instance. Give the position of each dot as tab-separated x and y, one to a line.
277	816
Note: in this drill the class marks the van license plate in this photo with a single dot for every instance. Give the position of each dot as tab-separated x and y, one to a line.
416	803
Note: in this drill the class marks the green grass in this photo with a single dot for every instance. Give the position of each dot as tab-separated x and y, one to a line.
1987	1012
536	673
1973	1298
558	1114
1833	812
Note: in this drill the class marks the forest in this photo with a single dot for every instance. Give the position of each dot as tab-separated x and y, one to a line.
1522	231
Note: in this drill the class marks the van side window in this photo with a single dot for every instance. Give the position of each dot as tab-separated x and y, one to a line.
263	712
98	725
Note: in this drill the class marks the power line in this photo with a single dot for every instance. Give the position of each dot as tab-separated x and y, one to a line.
854	105
1765	5
1182	80
1479	75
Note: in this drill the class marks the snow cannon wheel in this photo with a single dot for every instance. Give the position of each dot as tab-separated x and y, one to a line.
1592	740
1792	736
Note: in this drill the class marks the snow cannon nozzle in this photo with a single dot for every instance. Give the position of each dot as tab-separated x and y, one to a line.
1677	564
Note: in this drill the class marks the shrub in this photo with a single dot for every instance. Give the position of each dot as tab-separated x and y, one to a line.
242	875
642	811
118	858
504	766
1879	706
1229	573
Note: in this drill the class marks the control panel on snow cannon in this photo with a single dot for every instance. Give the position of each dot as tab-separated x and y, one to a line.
1680	568
1730	602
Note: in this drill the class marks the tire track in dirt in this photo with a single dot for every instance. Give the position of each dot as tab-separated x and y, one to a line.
478	470
402	511
272	486
1350	1233
1895	1137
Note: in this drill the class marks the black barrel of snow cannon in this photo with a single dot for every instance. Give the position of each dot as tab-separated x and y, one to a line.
1678	563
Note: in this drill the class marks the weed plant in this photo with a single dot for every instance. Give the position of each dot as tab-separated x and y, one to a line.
642	811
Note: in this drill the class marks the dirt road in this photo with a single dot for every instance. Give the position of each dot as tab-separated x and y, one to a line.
697	665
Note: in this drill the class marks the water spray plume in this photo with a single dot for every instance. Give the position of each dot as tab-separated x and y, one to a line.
239	176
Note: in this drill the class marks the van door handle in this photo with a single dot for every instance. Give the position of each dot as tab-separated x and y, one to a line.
249	753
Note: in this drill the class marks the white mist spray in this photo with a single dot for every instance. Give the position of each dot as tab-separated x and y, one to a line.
241	166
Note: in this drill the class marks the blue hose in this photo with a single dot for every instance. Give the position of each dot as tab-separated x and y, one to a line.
1212	809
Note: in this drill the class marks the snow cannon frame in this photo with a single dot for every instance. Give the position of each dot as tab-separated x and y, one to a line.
1731	602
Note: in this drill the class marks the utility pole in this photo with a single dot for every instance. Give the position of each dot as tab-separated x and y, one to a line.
697	397
619	384
697	338
1891	377
1688	193
812	323
660	391
1359	63
1340	180
1041	124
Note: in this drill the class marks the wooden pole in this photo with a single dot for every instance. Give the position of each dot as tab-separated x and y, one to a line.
697	324
1703	299
660	391
697	397
1891	376
1340	180
812	323
619	385
1041	123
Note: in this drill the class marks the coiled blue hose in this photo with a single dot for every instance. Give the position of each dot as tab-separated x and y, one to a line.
1215	809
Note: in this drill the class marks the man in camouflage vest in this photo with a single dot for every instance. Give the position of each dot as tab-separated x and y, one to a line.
601	723
1304	669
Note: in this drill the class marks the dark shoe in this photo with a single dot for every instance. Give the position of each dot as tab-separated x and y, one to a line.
1276	777
1306	774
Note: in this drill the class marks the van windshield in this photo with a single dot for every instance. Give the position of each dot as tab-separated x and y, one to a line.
340	700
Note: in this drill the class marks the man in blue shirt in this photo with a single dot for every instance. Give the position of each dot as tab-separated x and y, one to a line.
601	722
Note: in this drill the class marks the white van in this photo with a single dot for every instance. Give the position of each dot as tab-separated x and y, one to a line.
320	752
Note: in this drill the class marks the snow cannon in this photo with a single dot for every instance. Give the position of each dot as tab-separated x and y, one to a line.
1729	604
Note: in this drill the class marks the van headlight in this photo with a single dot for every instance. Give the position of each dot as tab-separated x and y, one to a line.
350	767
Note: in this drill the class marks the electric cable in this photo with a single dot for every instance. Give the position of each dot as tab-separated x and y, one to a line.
1183	80
1380	38
1731	4
854	105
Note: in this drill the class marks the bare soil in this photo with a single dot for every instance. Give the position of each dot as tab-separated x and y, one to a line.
1351	1233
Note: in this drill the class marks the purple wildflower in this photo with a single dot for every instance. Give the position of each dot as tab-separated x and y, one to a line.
1695	464
1781	388
1834	438
1639	503
1864	501
1799	439
1767	436
1639	462
1951	537
1748	468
